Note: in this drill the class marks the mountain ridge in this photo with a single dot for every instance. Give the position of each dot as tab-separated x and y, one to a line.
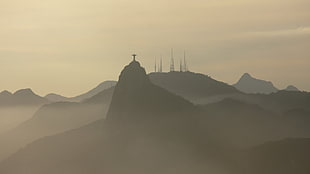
22	97
94	91
249	84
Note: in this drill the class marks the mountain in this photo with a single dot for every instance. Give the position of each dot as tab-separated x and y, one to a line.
291	88
248	84
241	124
145	130
5	95
12	116
193	86
151	130
135	90
18	107
23	97
52	119
197	88
279	102
56	98
101	87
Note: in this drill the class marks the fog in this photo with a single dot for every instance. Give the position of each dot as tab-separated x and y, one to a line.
11	117
48	120
150	124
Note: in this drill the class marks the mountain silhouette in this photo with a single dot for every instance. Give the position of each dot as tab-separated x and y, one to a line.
143	120
54	118
241	124
291	88
56	98
135	91
101	87
192	86
5	94
18	107
23	97
279	102
151	130
248	84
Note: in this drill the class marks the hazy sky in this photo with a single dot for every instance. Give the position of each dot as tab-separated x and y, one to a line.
70	46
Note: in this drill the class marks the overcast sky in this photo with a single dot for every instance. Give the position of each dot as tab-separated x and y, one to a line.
70	46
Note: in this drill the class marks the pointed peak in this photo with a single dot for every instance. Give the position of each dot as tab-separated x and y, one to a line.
246	75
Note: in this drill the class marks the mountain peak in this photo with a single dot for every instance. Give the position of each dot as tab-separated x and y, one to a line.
5	93
246	75
291	88
26	91
249	84
133	76
137	98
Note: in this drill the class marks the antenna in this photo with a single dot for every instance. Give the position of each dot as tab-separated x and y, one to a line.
161	64
172	61
155	65
181	66
185	64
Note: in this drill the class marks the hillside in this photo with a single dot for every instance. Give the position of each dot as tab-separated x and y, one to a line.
101	87
192	86
286	157
52	119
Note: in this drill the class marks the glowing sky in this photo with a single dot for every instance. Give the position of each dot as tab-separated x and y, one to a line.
70	46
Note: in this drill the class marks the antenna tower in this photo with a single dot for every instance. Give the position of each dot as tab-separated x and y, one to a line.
172	62
185	64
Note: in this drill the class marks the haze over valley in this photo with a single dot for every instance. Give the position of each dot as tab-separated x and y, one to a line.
151	122
154	87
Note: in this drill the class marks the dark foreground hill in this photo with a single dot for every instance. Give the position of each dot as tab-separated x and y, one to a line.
150	130
287	156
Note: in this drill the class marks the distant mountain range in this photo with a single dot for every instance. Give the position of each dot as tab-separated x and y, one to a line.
55	118
102	86
251	85
195	87
149	129
191	86
23	97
